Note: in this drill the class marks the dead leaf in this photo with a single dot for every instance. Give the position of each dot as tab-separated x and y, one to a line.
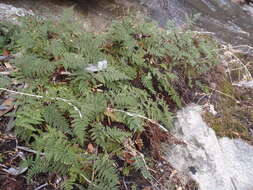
235	133
139	143
6	52
90	148
111	115
8	105
128	157
147	188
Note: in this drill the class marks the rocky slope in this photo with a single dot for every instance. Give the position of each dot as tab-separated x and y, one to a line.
212	160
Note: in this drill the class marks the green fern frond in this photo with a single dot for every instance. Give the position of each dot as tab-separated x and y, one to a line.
28	119
55	146
4	81
123	98
79	126
33	67
57	48
121	33
99	135
92	107
54	118
140	165
74	61
108	138
147	82
110	75
36	167
90	47
135	124
106	174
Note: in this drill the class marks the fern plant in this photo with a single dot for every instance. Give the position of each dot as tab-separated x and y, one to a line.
79	121
28	119
106	174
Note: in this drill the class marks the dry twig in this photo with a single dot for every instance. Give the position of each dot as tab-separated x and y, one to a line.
43	97
139	116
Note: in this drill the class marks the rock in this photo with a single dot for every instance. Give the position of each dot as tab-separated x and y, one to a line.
248	8
239	1
230	22
101	65
214	163
11	13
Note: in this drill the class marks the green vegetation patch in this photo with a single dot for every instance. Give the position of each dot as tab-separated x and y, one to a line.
235	112
7	31
93	101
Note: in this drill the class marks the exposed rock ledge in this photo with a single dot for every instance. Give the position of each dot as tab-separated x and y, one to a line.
11	13
216	164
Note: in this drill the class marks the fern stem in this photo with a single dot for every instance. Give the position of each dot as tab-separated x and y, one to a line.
79	112
30	150
41	97
140	116
88	181
41	186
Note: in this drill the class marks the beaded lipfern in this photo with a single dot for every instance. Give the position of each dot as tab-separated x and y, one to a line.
78	121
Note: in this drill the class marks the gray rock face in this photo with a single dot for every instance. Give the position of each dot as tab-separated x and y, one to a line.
216	164
11	13
229	21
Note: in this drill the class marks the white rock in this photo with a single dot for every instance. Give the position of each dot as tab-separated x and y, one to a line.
11	13
15	171
249	9
101	65
216	164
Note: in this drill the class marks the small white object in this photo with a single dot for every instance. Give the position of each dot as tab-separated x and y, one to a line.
212	110
15	171
101	65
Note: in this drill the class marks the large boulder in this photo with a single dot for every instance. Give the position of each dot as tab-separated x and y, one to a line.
215	163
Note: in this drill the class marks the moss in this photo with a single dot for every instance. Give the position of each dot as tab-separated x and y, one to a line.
231	123
235	112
